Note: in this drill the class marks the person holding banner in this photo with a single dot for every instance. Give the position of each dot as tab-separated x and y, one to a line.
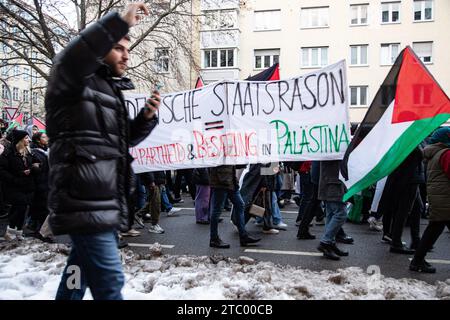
223	182
90	177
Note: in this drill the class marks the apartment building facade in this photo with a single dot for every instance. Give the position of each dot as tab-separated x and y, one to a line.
305	35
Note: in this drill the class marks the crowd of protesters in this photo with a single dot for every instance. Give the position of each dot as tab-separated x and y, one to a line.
86	188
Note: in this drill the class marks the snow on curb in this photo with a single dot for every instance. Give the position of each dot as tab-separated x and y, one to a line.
32	270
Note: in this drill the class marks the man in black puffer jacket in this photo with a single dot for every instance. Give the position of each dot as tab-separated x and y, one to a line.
90	176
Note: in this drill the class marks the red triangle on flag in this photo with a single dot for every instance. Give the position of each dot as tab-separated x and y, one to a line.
18	119
38	123
276	74
199	83
418	95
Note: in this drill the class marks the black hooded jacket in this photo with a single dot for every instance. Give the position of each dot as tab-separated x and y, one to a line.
90	176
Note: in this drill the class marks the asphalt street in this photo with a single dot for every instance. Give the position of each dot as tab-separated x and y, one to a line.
184	237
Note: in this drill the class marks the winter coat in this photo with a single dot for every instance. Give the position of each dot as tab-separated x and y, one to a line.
156	177
200	176
331	188
438	183
41	178
223	177
252	183
17	187
89	131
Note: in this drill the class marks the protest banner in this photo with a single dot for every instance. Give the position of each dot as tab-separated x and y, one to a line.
240	122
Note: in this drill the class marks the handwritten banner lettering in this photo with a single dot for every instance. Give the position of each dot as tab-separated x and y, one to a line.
239	122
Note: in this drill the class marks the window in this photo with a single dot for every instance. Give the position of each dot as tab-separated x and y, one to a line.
35	98
218	58
162	60
26	96
16	71
5	68
34	55
16	94
423	10
358	55
4	92
358	96
314	57
389	53
390	12
26	73
267	20
266	58
220	19
314	17
359	14
424	51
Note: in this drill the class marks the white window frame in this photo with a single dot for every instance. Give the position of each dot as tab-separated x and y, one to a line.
160	59
422	58
390	4
263	53
358	96
26	73
319	57
311	11
218	52
274	27
16	94
423	11
26	96
5	92
35	97
359	17
16	71
358	55
383	63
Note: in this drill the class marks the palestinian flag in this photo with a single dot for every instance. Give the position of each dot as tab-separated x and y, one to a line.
39	123
199	83
16	122
408	107
269	74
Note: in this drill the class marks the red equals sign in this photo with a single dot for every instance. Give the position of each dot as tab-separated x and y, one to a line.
216	125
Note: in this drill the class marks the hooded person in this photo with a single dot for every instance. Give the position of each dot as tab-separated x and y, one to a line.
437	155
17	171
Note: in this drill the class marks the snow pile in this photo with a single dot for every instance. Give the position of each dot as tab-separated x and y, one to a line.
32	270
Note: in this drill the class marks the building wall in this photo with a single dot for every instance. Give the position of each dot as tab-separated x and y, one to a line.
339	35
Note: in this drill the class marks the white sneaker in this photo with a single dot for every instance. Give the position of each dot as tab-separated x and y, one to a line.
172	212
271	231
374	224
131	233
155	229
281	225
10	234
19	235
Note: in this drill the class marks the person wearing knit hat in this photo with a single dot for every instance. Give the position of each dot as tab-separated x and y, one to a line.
17	171
438	188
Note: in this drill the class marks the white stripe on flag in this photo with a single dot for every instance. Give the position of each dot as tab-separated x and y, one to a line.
374	146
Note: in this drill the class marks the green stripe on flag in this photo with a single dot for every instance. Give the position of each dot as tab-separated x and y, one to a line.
414	135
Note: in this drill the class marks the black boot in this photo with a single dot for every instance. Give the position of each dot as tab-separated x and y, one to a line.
401	248
338	251
305	235
245	241
218	243
327	251
421	266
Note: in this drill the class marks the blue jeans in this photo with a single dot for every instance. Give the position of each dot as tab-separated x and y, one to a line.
336	216
276	213
165	203
97	258
237	215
